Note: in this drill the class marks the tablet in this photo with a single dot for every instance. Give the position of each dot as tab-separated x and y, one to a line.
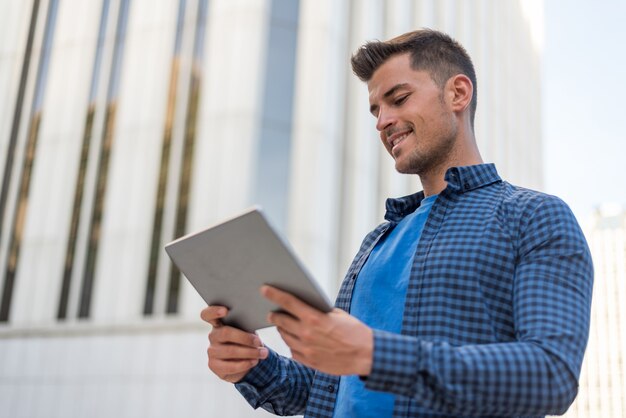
229	262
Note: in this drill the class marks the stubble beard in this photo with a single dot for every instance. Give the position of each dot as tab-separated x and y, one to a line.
426	161
438	145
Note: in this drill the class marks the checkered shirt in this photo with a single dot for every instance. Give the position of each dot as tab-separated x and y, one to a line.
496	316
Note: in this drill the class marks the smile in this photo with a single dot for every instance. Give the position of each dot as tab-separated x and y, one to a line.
397	138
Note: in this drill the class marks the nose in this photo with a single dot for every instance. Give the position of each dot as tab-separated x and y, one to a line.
385	119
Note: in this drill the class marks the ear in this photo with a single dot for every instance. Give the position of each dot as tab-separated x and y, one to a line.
460	92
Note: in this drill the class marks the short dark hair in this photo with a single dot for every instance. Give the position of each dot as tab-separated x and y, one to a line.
432	51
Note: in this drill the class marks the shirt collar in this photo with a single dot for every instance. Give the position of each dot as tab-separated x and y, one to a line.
459	179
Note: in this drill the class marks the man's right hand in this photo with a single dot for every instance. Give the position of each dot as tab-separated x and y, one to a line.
232	352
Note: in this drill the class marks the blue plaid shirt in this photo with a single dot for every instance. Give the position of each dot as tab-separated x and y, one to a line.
496	317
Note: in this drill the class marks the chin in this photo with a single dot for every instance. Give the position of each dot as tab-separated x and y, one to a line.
407	168
404	170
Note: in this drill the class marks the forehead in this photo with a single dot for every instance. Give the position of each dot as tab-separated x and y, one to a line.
396	70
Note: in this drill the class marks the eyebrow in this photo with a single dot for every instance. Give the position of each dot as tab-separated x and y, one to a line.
388	93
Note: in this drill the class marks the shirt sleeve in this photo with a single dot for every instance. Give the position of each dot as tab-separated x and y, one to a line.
277	384
537	374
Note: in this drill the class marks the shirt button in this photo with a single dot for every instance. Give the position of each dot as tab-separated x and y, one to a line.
466	185
330	388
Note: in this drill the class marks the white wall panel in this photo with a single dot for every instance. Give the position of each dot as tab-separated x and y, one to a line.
14	361
495	135
8	398
190	302
319	106
505	89
446	16
361	203
123	256
398	17
42	254
229	115
529	135
425	14
98	378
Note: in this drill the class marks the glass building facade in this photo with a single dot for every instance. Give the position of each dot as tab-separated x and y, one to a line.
127	123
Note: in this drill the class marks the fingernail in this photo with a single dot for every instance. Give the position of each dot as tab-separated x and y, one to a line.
221	311
263	353
257	342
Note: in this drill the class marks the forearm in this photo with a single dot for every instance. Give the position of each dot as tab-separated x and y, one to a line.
277	384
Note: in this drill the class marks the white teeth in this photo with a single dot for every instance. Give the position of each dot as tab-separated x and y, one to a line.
400	138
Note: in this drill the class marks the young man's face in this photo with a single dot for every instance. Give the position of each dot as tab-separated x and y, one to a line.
416	125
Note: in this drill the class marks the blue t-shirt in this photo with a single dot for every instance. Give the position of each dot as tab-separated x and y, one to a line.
378	301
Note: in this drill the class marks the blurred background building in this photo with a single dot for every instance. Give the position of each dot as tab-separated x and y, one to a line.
127	123
602	390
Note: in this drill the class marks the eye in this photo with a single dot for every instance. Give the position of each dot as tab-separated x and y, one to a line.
398	101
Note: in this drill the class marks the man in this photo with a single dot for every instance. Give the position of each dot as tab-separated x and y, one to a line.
472	299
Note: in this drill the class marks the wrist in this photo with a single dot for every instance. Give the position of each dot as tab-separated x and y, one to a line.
366	356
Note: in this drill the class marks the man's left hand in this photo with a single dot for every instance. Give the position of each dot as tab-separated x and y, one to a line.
334	342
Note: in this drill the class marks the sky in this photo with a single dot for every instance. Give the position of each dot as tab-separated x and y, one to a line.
584	102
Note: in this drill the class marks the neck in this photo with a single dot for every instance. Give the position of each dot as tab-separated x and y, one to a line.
433	181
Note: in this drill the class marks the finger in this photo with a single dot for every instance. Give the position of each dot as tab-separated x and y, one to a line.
284	321
288	302
225	369
236	377
290	339
212	314
236	352
294	344
230	335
